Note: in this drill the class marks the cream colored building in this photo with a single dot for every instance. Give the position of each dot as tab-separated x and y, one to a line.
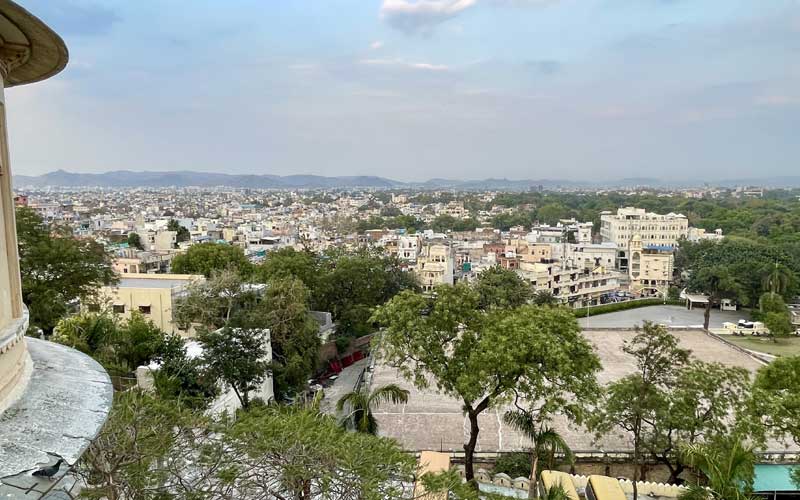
572	286
650	269
653	229
152	295
53	399
435	266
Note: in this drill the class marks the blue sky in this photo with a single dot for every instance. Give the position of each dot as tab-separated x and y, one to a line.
568	89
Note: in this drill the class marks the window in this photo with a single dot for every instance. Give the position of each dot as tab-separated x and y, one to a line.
119	309
144	309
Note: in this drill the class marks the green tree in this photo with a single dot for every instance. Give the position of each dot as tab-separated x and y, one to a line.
776	397
728	467
294	334
182	233
716	283
236	357
502	288
90	333
544	298
138	342
209	258
483	358
359	405
213	303
182	378
546	442
135	241
289	263
633	401
57	269
700	406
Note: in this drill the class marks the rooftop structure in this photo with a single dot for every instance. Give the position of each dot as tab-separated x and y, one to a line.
53	400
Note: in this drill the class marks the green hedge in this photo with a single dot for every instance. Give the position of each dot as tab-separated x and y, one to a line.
624	306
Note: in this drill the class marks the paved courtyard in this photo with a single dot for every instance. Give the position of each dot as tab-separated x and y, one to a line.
672	316
431	421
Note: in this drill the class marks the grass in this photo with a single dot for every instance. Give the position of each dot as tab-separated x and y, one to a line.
786	346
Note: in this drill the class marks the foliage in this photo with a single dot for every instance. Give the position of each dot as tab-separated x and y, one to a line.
135	241
359	406
502	288
728	466
717	282
303	455
210	258
182	233
293	333
516	464
485	358
236	357
289	263
778	323
214	302
57	269
544	298
181	378
776	397
632	402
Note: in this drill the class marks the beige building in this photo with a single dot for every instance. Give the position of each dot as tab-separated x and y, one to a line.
650	270
653	229
572	286
435	266
131	260
152	295
53	399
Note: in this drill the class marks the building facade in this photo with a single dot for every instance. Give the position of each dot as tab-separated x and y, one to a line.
653	229
435	266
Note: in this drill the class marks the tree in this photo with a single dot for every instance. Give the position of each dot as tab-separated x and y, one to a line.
57	269
289	263
182	233
635	400
778	279
482	358
182	378
545	441
717	283
135	241
728	466
213	303
90	333
502	288
236	357
699	407
359	405
776	397
138	342
544	298
294	334
208	258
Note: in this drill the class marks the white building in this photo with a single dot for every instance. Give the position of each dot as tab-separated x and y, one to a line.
653	229
435	266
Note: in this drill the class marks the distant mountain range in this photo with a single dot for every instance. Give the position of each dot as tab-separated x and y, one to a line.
126	178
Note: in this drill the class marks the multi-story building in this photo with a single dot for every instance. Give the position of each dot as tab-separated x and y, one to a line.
435	266
131	260
408	248
573	286
152	295
653	229
651	268
53	399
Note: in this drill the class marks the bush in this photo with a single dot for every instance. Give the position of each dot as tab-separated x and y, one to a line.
515	464
624	306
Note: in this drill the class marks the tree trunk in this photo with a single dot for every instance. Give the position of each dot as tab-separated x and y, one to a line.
469	448
674	472
533	490
707	313
637	431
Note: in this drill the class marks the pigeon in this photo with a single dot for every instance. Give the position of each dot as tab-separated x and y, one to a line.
50	470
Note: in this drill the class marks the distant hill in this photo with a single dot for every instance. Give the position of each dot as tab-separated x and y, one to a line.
127	178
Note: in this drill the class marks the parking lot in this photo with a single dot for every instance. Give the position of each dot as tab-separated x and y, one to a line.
672	316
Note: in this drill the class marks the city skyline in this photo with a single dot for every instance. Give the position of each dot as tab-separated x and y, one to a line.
406	90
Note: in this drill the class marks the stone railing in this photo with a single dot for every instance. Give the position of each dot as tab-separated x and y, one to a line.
13	355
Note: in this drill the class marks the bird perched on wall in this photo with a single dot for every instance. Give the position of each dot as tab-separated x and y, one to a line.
50	470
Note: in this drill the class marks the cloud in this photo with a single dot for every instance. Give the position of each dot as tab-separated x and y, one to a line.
400	63
377	44
72	17
421	16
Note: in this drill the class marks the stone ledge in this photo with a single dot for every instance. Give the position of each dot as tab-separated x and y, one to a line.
63	407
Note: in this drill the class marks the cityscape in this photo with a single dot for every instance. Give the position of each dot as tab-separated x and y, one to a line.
237	333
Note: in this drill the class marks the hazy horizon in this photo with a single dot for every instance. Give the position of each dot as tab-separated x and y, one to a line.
413	90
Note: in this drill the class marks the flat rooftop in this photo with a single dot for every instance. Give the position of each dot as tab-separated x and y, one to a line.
153	282
431	421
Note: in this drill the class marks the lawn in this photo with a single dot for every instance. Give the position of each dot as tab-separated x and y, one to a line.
787	346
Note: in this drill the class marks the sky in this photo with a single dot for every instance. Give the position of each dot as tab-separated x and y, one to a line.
418	89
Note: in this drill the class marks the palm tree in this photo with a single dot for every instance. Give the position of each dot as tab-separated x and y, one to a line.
546	443
728	467
777	279
555	493
361	403
544	298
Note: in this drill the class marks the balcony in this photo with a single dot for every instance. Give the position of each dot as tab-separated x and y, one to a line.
57	402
